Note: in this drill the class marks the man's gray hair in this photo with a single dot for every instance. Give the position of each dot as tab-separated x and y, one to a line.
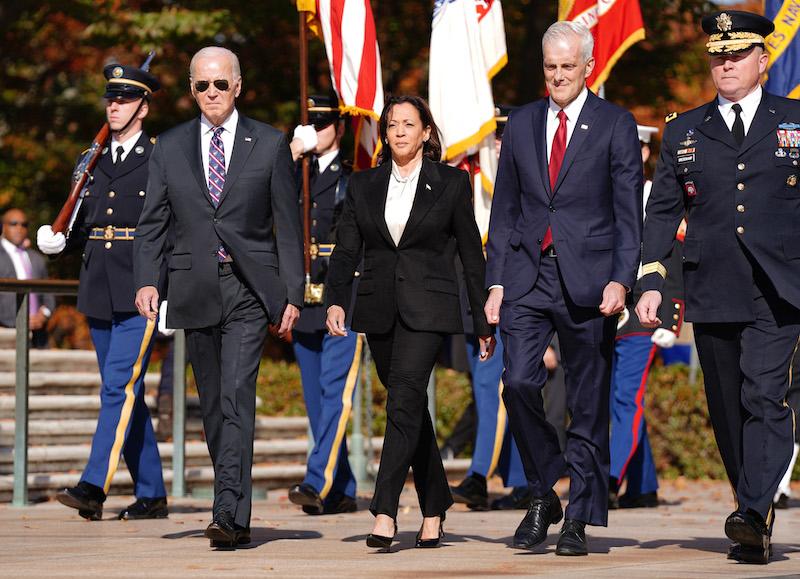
567	30
215	51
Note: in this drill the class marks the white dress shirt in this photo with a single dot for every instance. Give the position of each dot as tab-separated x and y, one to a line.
324	161
127	146
399	200
16	258
572	110
228	136
749	106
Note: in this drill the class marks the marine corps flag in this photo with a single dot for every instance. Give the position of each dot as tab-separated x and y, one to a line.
615	25
347	29
468	47
783	68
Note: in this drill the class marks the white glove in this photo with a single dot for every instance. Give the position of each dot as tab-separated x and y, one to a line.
50	243
162	320
663	338
307	135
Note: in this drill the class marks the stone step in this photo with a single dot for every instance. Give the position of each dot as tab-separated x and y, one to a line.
8	338
64	382
52	360
265	476
66	458
73	406
80	431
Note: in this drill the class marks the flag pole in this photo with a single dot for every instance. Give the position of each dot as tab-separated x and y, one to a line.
305	161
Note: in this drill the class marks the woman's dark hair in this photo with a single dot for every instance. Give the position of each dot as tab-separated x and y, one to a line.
432	148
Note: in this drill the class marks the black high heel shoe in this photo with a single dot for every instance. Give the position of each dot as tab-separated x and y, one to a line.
431	543
380	541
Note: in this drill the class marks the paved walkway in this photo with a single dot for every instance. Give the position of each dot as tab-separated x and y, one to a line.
683	538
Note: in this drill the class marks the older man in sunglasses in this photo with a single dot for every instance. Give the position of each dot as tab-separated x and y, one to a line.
225	185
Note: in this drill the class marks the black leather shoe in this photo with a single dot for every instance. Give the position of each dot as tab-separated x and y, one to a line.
421	543
242	538
735	552
337	503
145	509
749	529
306	496
613	494
222	530
542	512
381	541
643	501
85	497
782	502
472	492
572	541
518	498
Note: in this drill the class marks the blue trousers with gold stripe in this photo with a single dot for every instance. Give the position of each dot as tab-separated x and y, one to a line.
631	456
495	449
329	370
123	348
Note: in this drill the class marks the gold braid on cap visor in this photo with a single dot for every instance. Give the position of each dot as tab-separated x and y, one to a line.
733	41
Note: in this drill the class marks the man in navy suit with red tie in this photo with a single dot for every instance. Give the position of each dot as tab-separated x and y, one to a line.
563	250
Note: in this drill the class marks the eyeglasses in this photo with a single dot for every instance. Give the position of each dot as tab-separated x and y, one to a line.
219	84
17	223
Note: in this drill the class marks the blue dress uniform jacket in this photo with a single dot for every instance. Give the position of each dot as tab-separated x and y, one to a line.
114	198
737	200
327	196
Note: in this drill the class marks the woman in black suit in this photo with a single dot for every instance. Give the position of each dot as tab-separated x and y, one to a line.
409	215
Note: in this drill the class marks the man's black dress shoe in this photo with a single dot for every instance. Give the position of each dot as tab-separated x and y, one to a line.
735	552
306	496
85	497
572	540
749	529
472	492
542	512
782	502
335	504
242	538
222	530
613	493
145	509
518	498
642	501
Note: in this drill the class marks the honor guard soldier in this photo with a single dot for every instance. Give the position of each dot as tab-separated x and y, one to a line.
104	231
634	352
732	165
494	448
328	365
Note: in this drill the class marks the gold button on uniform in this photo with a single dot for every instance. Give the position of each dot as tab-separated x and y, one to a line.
740	186
740	230
314	205
109	211
675	316
108	245
111	194
674	328
740	208
141	193
677	306
740	166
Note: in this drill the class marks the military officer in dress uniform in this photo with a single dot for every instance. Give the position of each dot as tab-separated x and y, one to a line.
733	166
328	365
104	231
634	351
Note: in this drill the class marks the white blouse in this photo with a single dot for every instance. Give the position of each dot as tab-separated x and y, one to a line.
399	200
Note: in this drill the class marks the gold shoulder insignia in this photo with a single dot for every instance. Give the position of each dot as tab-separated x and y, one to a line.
670	117
84	152
153	140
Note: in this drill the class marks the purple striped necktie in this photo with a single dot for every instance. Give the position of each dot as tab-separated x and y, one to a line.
216	176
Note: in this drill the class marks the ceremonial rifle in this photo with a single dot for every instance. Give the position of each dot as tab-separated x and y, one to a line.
82	174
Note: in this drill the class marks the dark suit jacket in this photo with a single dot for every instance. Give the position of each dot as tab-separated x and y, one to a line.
256	220
722	187
106	274
417	277
8	301
595	209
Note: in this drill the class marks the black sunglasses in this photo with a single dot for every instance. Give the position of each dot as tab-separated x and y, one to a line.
220	84
17	223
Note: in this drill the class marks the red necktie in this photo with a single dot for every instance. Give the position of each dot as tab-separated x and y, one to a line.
556	158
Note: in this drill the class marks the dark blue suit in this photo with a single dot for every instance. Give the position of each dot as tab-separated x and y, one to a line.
595	212
741	266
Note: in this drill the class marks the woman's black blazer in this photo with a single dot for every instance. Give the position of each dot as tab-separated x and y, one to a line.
416	278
